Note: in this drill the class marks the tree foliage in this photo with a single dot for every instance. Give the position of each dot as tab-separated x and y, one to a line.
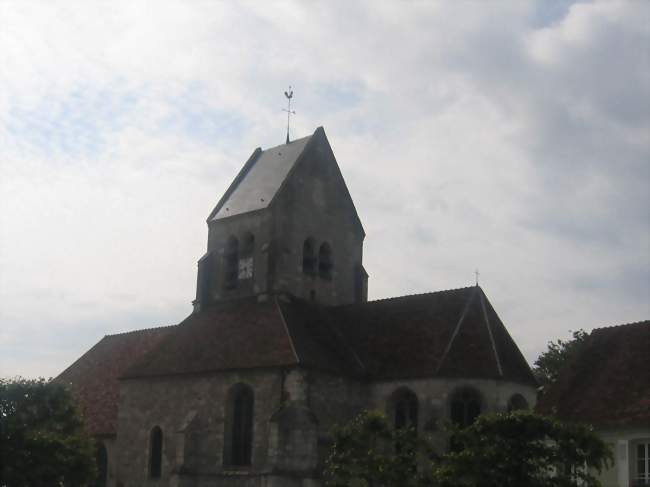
498	450
42	441
548	364
522	448
367	452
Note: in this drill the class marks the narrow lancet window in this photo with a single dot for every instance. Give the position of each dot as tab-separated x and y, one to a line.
231	263
239	433
102	466
155	453
246	258
308	257
325	261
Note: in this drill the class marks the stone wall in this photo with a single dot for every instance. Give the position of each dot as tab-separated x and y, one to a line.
294	413
434	399
314	203
191	413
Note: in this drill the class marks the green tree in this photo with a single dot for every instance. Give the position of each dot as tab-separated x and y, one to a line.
42	441
548	364
498	450
521	448
367	452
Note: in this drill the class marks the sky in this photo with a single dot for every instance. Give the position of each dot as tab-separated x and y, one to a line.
511	137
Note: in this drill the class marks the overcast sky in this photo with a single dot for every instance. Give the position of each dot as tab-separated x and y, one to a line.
507	136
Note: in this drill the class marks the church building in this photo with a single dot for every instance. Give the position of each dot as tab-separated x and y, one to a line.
282	344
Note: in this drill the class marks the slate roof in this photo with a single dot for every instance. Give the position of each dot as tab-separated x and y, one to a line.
453	333
260	179
607	383
93	378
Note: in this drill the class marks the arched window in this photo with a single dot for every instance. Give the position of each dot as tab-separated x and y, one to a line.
102	466
405	408
325	261
465	407
245	270
231	263
239	428
155	452
517	403
309	257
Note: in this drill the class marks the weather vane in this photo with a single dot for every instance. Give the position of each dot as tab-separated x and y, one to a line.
289	96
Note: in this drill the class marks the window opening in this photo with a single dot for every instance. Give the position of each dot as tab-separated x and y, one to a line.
643	463
155	456
308	257
102	466
325	261
245	270
231	257
406	409
517	403
241	435
465	407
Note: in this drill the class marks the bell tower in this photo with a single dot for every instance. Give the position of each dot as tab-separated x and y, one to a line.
286	224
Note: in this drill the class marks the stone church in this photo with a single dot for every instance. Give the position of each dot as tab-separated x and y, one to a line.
282	344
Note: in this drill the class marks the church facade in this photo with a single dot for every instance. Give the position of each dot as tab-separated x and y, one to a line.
282	344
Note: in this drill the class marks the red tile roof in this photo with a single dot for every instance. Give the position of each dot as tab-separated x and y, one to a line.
607	383
238	334
452	333
93	378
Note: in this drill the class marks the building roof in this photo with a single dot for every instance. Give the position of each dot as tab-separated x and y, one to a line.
93	378
454	333
237	334
260	179
607	383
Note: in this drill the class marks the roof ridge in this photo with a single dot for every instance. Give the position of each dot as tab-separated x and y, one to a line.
430	293
633	323
456	330
130	332
291	142
489	329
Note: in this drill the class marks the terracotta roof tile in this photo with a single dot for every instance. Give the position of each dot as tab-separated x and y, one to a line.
93	378
447	334
238	334
608	382
453	333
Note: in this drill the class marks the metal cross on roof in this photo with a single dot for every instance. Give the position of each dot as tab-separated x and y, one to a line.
289	96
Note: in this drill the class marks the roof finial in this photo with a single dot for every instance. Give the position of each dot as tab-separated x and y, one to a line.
476	273
289	96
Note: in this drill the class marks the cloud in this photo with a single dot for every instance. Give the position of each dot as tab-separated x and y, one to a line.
512	138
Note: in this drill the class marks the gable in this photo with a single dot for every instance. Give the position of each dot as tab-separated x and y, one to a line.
266	173
315	186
